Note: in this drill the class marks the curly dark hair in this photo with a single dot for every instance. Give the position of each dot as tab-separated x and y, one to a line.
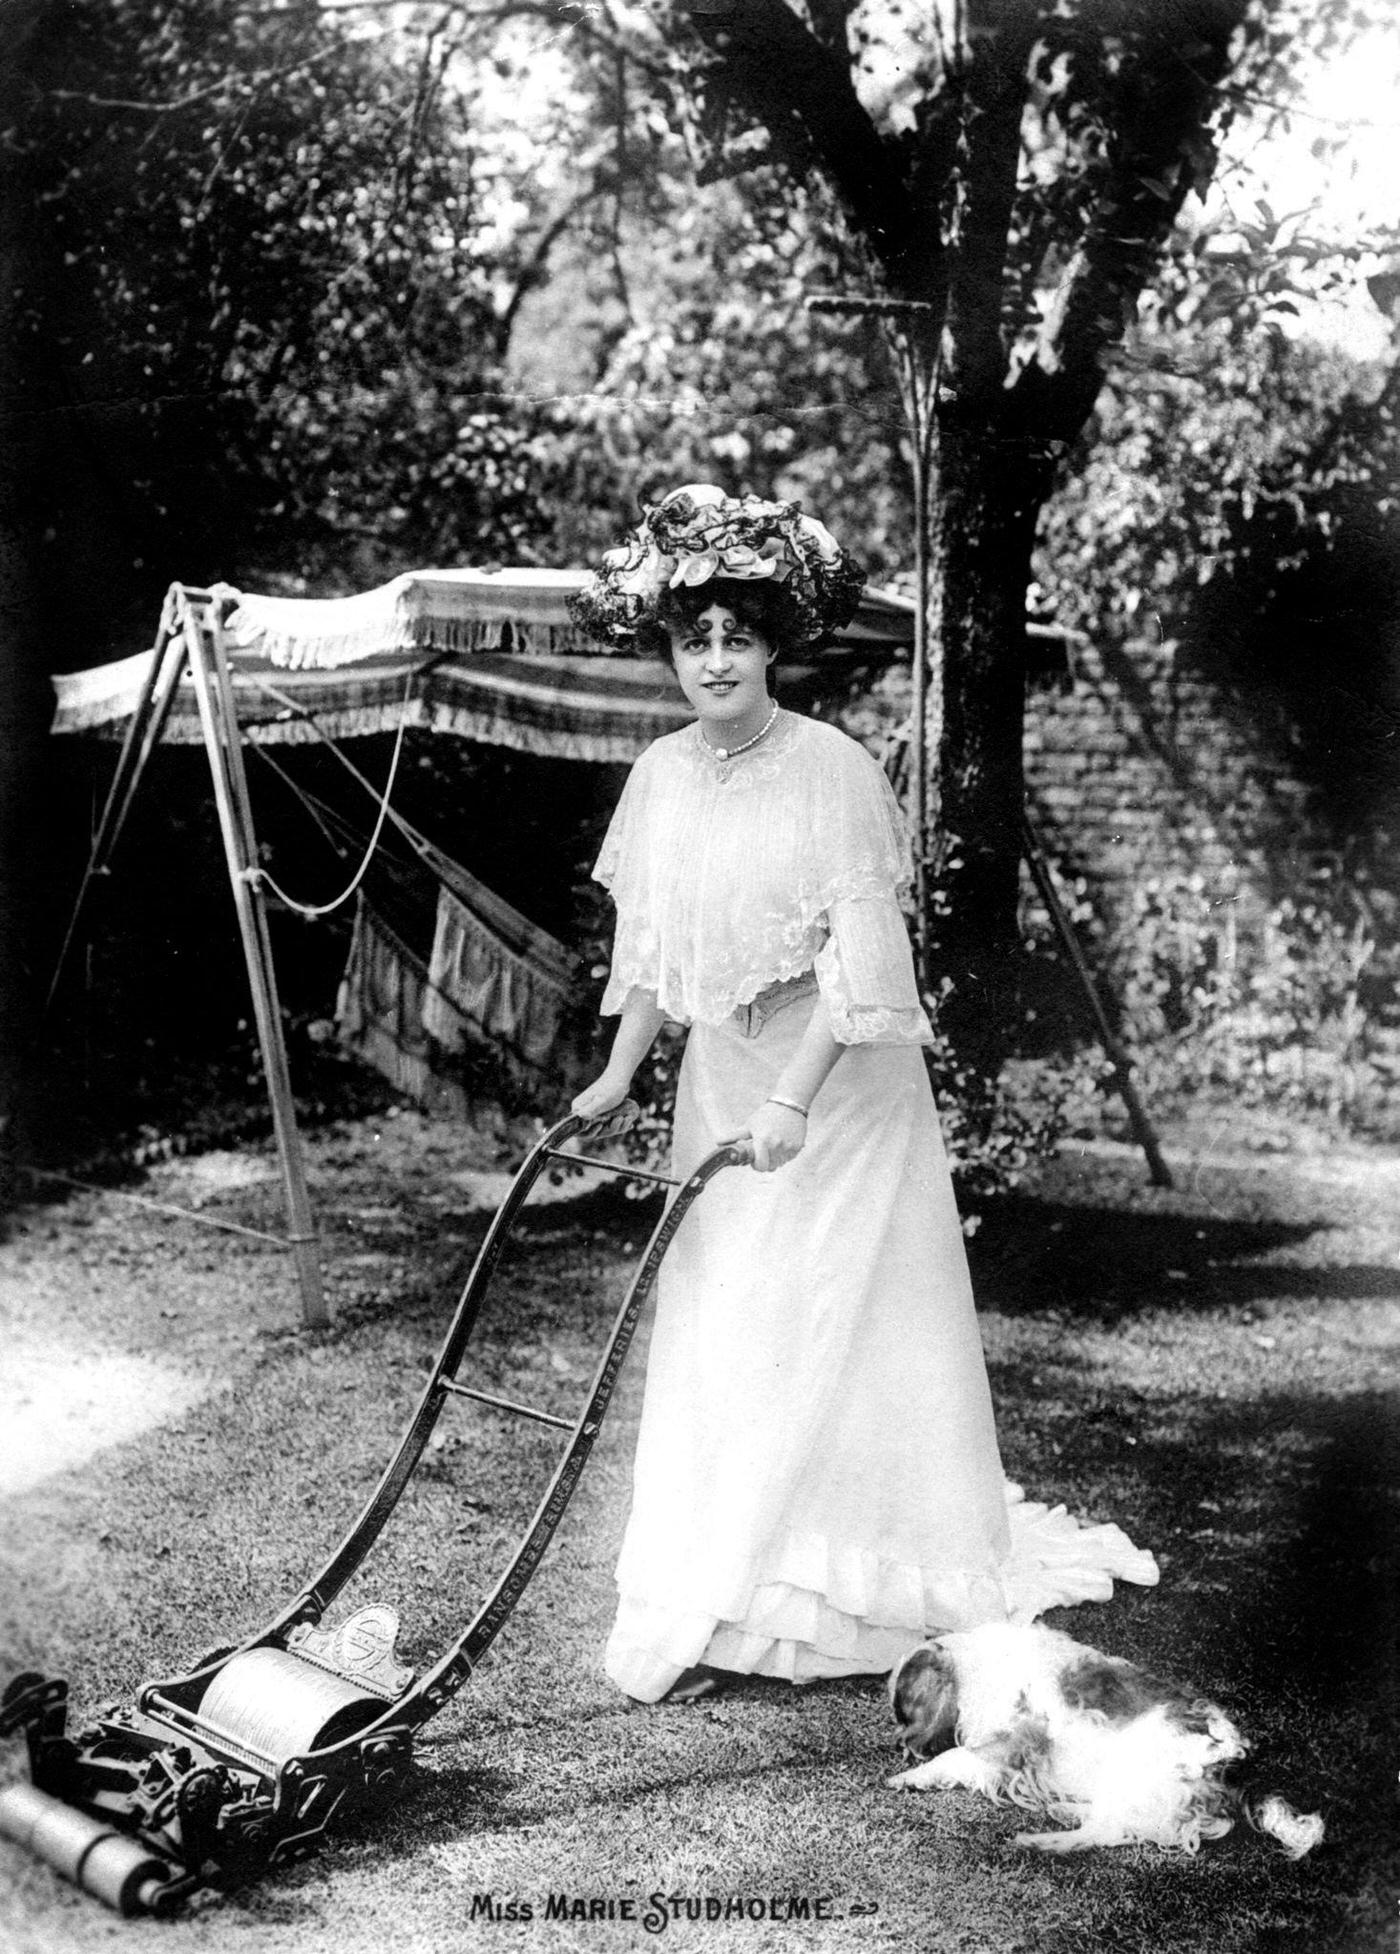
766	607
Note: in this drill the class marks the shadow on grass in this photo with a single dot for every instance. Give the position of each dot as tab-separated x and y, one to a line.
1031	1255
1286	1584
1274	1522
447	1798
423	1282
1034	1255
1320	1610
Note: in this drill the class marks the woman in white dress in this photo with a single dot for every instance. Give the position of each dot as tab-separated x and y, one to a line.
817	1483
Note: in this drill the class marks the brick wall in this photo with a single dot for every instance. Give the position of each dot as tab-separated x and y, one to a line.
1137	765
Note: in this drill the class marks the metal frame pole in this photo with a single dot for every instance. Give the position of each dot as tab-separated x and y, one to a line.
1114	1049
918	753
152	709
198	620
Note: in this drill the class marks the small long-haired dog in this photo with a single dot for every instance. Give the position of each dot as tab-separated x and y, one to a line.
1037	1720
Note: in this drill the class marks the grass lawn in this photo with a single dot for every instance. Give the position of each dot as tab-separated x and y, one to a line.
1212	1367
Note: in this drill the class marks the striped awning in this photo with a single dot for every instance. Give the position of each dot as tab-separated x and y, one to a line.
488	656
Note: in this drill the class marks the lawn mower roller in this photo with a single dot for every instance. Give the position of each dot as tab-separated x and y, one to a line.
240	1763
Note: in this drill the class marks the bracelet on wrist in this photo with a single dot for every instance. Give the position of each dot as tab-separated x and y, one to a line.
793	1105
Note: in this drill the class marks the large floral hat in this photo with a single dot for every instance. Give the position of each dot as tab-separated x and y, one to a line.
698	533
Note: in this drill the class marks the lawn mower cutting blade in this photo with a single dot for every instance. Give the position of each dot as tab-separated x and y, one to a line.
241	1763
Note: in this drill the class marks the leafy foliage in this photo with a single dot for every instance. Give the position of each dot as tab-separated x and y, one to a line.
310	296
260	316
1007	176
996	1131
712	370
1237	498
1297	1013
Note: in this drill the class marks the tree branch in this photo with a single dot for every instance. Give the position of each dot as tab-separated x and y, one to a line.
1156	160
225	81
578	19
989	84
785	80
830	22
533	270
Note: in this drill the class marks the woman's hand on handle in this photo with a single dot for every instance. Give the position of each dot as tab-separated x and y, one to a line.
638	1025
779	1134
609	1089
779	1128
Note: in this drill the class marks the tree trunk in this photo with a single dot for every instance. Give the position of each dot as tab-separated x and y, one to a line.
982	528
950	223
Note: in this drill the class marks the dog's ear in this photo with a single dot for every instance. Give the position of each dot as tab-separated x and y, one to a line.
924	1697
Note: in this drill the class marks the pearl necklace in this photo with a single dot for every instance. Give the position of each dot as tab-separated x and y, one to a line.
732	752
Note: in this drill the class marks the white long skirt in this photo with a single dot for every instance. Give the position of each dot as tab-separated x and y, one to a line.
817	1482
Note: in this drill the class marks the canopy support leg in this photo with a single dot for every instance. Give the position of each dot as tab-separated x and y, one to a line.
142	736
198	621
1113	1046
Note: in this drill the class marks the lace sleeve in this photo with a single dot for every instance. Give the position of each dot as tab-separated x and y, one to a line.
859	845
865	971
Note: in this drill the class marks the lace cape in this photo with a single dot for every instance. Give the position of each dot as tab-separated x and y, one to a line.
729	876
